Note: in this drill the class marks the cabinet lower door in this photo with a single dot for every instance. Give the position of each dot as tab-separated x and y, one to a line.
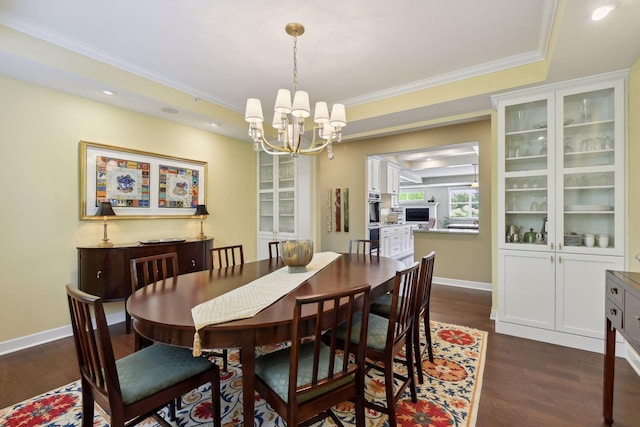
527	288
580	292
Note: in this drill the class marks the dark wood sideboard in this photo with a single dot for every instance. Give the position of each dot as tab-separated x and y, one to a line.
622	309
106	272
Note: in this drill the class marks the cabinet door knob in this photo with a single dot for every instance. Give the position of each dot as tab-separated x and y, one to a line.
559	260
551	259
551	245
613	312
614	291
559	246
98	274
193	262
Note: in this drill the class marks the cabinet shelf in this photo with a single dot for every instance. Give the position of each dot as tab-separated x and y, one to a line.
543	213
526	158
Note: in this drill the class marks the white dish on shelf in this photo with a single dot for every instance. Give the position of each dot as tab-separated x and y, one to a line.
588	208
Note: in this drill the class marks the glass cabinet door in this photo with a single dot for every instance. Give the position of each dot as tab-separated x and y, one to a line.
527	195
589	170
267	171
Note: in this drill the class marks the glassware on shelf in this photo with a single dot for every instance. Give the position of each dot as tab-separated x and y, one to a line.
585	109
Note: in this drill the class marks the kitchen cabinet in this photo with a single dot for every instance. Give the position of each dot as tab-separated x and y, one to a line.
284	199
390	173
396	241
561	178
373	175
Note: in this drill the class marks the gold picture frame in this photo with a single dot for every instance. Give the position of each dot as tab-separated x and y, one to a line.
139	184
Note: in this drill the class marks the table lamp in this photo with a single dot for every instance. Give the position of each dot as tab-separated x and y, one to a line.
201	210
105	210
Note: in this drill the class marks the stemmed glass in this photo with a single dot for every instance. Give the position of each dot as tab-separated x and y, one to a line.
585	109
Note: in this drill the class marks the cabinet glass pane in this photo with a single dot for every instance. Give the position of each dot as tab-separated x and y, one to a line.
526	137
589	134
286	212
265	213
286	172
266	171
526	209
589	200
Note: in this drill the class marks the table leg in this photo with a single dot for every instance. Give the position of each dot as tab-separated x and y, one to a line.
248	361
609	368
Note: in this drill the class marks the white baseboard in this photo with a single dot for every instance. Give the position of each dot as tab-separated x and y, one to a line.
481	286
44	337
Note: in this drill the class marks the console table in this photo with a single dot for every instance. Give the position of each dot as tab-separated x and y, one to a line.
106	272
622	309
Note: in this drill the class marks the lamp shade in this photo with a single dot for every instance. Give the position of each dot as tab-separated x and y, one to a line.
338	116
105	209
253	113
321	113
201	210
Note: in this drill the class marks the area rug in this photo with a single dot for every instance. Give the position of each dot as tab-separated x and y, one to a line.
448	397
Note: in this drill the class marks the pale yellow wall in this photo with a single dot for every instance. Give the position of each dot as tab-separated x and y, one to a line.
458	257
633	159
40	130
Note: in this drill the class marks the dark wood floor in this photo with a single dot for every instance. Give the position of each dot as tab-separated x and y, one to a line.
526	383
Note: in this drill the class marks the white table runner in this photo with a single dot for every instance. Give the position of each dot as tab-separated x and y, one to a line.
250	299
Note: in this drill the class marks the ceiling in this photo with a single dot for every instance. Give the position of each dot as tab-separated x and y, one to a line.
397	66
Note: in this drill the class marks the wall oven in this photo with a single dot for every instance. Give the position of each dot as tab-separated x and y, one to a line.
373	202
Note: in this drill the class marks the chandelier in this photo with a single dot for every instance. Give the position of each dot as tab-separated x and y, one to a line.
289	118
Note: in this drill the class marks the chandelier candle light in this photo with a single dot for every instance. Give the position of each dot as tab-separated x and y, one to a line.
289	119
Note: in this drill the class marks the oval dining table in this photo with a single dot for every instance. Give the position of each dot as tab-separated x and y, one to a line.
162	311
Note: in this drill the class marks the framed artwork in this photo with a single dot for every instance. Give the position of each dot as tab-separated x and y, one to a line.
139	184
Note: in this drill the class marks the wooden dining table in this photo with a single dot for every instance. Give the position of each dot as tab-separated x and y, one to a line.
162	311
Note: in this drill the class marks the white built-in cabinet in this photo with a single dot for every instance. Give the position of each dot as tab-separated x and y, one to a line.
561	198
284	199
390	174
373	175
396	241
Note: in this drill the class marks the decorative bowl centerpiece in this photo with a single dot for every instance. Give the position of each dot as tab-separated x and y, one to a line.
297	254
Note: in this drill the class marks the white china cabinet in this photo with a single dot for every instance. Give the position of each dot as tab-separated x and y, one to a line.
561	178
284	199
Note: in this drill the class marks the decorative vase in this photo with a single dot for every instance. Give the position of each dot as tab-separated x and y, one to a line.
297	254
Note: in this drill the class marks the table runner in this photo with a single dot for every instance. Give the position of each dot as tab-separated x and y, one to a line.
250	299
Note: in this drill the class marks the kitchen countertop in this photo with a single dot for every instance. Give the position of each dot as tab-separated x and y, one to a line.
447	231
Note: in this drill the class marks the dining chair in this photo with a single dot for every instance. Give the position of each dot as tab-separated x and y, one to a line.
274	249
425	280
386	337
382	307
363	248
226	256
304	381
147	270
137	386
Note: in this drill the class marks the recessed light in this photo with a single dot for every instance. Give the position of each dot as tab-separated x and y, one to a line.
109	92
214	124
601	12
169	110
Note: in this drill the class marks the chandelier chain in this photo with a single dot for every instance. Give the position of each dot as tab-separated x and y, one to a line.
295	63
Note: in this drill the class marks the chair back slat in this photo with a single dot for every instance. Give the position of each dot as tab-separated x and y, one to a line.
274	249
425	281
405	290
362	249
152	269
226	256
93	348
327	311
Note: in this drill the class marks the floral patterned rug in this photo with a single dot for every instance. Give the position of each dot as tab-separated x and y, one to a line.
448	397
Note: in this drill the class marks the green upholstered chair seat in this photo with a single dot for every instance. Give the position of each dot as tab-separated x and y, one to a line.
382	305
376	334
156	368
273	369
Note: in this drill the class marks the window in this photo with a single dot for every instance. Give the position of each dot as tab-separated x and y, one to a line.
412	195
463	203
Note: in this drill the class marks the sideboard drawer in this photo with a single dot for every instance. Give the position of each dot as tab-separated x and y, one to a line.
614	314
632	316
615	290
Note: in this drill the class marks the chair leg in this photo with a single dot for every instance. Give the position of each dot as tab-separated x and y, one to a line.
391	398
412	379
87	406
416	350
215	397
225	362
427	331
